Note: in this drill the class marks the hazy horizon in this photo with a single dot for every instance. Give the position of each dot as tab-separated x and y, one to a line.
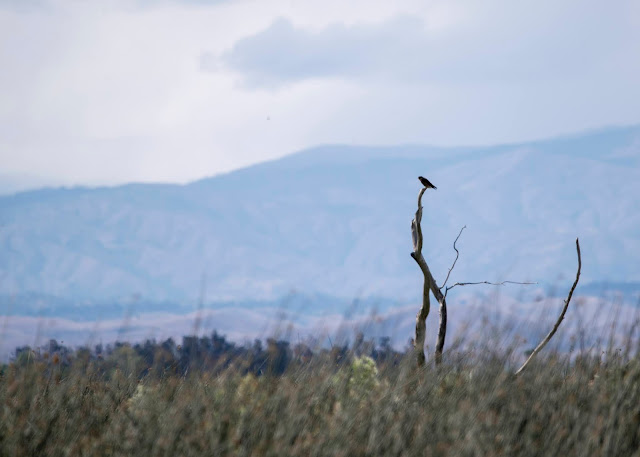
11	183
176	90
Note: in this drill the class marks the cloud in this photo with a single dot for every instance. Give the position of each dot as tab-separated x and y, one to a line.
501	44
284	53
109	92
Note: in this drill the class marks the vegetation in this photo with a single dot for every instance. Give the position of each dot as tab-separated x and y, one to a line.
210	397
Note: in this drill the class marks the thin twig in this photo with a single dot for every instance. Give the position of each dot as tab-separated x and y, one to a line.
457	255
486	282
564	310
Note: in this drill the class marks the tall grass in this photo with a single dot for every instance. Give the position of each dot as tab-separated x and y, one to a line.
580	405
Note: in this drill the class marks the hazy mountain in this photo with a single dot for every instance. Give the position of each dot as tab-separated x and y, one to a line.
335	220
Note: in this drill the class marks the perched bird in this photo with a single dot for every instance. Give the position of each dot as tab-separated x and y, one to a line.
425	182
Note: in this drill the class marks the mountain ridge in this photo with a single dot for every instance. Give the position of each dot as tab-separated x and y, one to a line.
334	219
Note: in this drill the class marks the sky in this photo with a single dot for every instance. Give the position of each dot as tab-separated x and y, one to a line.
107	92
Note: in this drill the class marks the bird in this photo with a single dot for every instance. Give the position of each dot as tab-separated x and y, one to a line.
425	182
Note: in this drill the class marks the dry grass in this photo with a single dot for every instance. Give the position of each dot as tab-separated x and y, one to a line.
471	406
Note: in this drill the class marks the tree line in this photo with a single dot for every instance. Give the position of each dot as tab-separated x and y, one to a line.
213	354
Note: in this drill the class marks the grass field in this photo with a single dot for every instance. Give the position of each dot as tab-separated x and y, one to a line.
585	405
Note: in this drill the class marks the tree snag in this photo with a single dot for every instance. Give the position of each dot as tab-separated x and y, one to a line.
544	342
429	285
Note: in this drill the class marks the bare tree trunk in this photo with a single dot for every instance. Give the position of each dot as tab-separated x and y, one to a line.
429	284
544	342
421	318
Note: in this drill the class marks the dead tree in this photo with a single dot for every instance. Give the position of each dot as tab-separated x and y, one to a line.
429	285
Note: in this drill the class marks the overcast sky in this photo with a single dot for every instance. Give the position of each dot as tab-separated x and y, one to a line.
109	91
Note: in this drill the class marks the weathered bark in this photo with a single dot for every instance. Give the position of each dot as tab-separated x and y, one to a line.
544	342
429	285
421	317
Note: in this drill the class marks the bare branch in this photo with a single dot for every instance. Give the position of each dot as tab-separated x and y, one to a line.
454	262
486	282
544	342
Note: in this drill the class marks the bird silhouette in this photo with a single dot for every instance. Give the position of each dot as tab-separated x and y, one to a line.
425	182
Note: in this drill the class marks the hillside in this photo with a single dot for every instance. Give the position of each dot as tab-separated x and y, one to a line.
335	220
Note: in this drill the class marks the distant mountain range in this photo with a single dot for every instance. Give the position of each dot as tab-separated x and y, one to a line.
335	220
